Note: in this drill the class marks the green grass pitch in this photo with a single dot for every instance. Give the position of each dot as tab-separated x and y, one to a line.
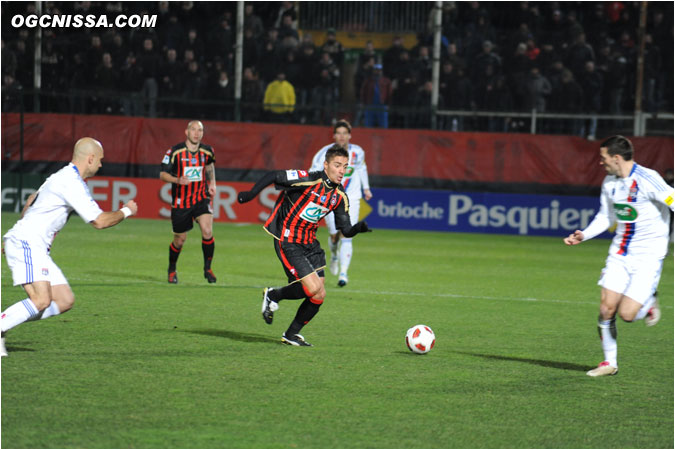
139	363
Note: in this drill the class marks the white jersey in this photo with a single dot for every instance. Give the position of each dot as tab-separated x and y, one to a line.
639	205
356	176
62	193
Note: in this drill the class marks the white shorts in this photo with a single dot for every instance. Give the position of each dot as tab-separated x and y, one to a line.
353	216
633	277
31	263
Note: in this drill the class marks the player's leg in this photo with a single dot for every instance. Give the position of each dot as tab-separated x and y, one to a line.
333	241
31	267
315	291
313	286
39	298
346	247
614	281
62	297
641	292
607	332
181	222
205	222
293	262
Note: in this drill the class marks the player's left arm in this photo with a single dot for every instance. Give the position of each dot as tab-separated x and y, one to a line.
210	171
344	224
661	192
365	183
29	202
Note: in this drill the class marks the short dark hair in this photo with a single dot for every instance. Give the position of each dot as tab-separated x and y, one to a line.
334	151
342	123
618	145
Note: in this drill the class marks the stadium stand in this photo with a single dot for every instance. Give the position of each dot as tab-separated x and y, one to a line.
499	56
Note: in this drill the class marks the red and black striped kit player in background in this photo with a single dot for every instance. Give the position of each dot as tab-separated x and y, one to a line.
190	168
306	197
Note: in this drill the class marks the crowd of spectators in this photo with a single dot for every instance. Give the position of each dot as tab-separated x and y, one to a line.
568	57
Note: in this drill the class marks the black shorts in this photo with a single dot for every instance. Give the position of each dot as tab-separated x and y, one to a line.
300	260
182	218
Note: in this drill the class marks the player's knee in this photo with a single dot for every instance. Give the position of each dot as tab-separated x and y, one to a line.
607	311
627	316
179	240
63	296
319	296
41	302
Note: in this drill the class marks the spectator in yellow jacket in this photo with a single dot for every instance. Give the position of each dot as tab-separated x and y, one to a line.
279	101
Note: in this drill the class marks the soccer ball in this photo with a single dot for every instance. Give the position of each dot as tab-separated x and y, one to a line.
420	339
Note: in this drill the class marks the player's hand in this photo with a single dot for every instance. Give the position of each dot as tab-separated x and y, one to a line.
245	196
132	206
575	238
367	194
212	190
183	180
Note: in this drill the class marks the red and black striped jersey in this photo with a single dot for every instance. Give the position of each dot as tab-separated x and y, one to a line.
179	161
305	199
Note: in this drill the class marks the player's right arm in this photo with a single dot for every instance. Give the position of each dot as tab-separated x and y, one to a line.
29	201
266	180
112	218
281	178
600	223
167	170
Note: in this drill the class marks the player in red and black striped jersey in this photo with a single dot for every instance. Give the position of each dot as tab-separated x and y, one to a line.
305	199
190	168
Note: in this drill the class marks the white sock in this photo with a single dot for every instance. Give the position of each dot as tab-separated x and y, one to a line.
17	314
645	309
51	310
333	246
345	254
607	330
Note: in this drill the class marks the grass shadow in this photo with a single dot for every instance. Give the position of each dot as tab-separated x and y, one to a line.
537	362
234	335
13	348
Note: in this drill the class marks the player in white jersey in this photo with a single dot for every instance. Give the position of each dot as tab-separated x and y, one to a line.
28	242
638	200
356	185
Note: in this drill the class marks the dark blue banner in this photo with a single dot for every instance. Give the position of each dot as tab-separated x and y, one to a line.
471	212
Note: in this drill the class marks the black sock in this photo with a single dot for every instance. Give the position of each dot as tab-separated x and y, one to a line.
293	291
174	253
306	312
208	246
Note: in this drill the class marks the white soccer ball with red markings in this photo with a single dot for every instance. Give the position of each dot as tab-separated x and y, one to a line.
420	339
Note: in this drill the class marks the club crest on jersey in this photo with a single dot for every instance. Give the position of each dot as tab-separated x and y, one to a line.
45	271
313	212
633	193
333	199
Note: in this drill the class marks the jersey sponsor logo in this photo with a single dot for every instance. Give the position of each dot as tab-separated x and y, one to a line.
625	213
313	212
349	172
193	173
